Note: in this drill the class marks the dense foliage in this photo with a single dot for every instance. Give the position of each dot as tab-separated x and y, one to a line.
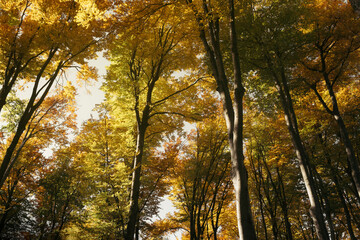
243	114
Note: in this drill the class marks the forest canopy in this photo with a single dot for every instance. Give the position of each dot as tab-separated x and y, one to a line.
244	115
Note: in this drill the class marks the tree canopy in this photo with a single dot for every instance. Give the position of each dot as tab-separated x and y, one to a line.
243	114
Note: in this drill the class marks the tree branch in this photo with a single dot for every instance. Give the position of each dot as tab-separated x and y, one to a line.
157	103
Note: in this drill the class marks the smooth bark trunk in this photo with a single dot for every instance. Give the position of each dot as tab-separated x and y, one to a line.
232	110
315	207
339	191
240	179
302	156
135	184
354	163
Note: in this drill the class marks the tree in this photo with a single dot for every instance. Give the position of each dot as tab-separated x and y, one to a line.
100	176
56	199
53	117
40	39
201	181
209	18
271	27
290	144
140	77
329	63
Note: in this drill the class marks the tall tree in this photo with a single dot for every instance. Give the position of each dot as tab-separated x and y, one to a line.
201	181
99	171
329	63
47	129
209	19
143	60
39	39
271	25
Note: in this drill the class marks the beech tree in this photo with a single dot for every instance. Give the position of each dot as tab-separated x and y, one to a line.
54	116
289	144
100	177
276	55
333	53
209	19
38	40
140	75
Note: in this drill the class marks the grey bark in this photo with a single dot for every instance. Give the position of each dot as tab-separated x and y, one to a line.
335	113
232	109
339	191
302	156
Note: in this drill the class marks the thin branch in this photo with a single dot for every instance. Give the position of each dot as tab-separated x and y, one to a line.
175	93
322	100
309	68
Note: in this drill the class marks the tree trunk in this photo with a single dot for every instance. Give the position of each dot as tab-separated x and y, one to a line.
4	169
257	172
240	177
32	105
262	215
192	227
354	163
8	204
291	121
324	193
334	174
315	207
232	110
335	113
10	78
135	184
284	207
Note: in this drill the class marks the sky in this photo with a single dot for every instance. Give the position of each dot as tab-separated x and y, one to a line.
90	95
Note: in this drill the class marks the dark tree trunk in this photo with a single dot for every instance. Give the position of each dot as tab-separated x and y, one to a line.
135	184
354	163
29	111
8	204
335	112
339	191
257	172
323	194
284	207
240	178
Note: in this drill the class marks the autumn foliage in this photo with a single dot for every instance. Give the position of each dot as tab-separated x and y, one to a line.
241	115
